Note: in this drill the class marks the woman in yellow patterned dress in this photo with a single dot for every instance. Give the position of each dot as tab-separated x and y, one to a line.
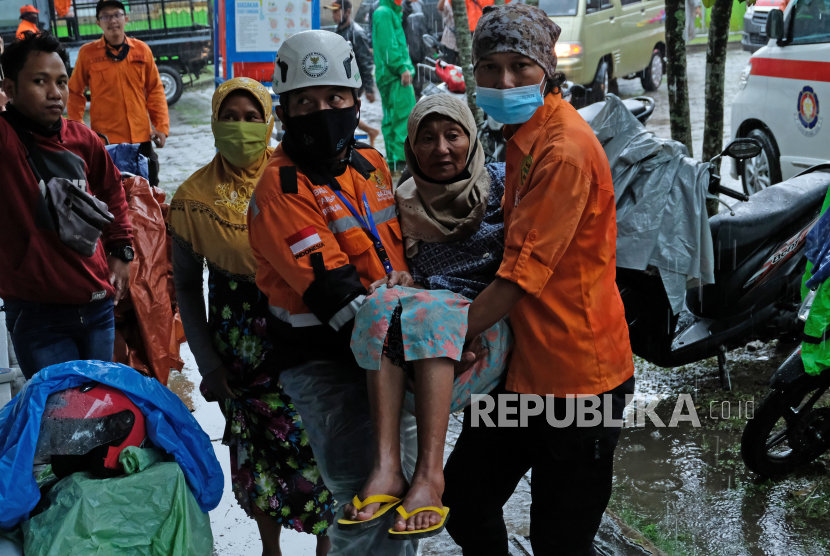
274	475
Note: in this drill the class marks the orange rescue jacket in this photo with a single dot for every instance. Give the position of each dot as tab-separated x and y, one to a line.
314	258
122	92
560	233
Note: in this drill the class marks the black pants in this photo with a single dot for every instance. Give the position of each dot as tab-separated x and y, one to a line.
570	484
146	148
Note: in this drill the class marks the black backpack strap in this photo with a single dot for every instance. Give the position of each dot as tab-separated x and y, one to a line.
33	156
288	179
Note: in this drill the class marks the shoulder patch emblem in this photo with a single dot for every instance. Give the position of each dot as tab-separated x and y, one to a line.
376	178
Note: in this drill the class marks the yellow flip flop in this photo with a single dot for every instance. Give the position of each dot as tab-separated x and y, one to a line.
423	533
386	503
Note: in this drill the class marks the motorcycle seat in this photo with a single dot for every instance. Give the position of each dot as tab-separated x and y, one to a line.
770	210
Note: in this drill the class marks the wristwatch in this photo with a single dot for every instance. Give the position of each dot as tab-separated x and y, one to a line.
125	253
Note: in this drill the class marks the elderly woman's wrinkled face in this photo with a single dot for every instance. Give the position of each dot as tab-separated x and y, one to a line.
441	147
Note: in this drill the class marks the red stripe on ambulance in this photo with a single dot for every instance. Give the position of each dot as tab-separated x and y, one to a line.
801	70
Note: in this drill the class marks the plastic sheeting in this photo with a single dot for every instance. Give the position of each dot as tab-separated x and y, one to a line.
126	159
148	329
170	427
661	203
818	251
816	357
151	513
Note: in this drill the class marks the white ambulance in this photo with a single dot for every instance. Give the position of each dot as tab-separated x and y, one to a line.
784	99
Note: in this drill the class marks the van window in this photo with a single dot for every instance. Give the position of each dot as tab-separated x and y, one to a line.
597	5
810	22
559	7
629	2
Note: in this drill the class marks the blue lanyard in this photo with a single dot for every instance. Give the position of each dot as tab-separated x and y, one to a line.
370	228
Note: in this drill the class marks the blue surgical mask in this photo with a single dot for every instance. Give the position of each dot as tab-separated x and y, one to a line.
510	106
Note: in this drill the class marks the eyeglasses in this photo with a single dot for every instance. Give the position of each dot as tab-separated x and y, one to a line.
106	18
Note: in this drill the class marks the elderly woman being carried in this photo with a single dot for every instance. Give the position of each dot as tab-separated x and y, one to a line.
411	339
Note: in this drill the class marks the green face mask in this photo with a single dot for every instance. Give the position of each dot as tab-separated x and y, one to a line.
241	143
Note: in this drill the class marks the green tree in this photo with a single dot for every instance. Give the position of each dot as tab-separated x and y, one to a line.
464	43
679	116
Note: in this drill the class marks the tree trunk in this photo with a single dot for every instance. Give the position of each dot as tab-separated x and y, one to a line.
464	42
715	74
679	116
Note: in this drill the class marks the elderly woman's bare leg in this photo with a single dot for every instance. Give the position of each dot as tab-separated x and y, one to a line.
433	397
386	391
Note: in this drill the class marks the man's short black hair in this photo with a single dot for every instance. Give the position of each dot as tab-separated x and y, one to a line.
15	55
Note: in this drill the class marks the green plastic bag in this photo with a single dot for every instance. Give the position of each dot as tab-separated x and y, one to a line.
151	512
135	459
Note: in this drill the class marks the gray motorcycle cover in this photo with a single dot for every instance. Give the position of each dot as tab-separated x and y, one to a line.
661	202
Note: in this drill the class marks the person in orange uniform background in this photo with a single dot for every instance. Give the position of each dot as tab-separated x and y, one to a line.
124	84
557	283
28	21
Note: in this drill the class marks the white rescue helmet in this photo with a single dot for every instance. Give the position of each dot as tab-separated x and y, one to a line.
314	58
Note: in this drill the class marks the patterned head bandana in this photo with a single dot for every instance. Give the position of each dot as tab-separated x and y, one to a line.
517	28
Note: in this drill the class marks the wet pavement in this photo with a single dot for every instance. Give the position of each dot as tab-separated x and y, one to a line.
685	489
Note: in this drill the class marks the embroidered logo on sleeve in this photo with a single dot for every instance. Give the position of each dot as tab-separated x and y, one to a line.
304	242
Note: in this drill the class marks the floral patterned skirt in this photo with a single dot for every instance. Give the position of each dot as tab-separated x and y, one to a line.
272	466
433	325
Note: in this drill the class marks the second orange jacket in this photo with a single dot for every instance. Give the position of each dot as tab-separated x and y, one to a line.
560	232
26	26
123	93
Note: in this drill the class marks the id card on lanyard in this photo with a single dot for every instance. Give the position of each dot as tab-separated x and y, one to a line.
369	227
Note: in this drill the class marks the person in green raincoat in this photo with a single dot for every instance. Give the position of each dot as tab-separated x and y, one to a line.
393	73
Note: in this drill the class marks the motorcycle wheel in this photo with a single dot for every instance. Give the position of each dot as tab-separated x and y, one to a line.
790	428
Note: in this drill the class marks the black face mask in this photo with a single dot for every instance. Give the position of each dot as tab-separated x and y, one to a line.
323	134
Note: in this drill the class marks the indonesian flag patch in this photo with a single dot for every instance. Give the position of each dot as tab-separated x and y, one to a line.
304	242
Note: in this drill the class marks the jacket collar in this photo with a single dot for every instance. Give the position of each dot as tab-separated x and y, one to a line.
102	42
526	135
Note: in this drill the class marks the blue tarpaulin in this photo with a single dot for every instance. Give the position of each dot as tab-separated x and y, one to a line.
170	427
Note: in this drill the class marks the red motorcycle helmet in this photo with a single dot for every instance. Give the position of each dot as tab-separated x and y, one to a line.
85	428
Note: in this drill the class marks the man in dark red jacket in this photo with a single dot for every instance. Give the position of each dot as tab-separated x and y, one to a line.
59	303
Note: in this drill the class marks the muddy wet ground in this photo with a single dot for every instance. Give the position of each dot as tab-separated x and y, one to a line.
684	489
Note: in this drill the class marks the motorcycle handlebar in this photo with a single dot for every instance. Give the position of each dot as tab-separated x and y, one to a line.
731	193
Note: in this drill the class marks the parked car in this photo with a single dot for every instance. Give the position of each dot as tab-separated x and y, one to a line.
783	89
603	40
178	32
755	23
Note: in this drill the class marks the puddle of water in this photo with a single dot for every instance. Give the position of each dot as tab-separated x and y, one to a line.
184	388
687	489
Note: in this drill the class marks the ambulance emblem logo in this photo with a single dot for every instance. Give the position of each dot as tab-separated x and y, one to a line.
807	117
315	65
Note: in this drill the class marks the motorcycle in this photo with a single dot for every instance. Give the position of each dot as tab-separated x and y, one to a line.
759	264
791	427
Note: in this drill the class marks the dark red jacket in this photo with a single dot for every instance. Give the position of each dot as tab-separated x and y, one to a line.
34	264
